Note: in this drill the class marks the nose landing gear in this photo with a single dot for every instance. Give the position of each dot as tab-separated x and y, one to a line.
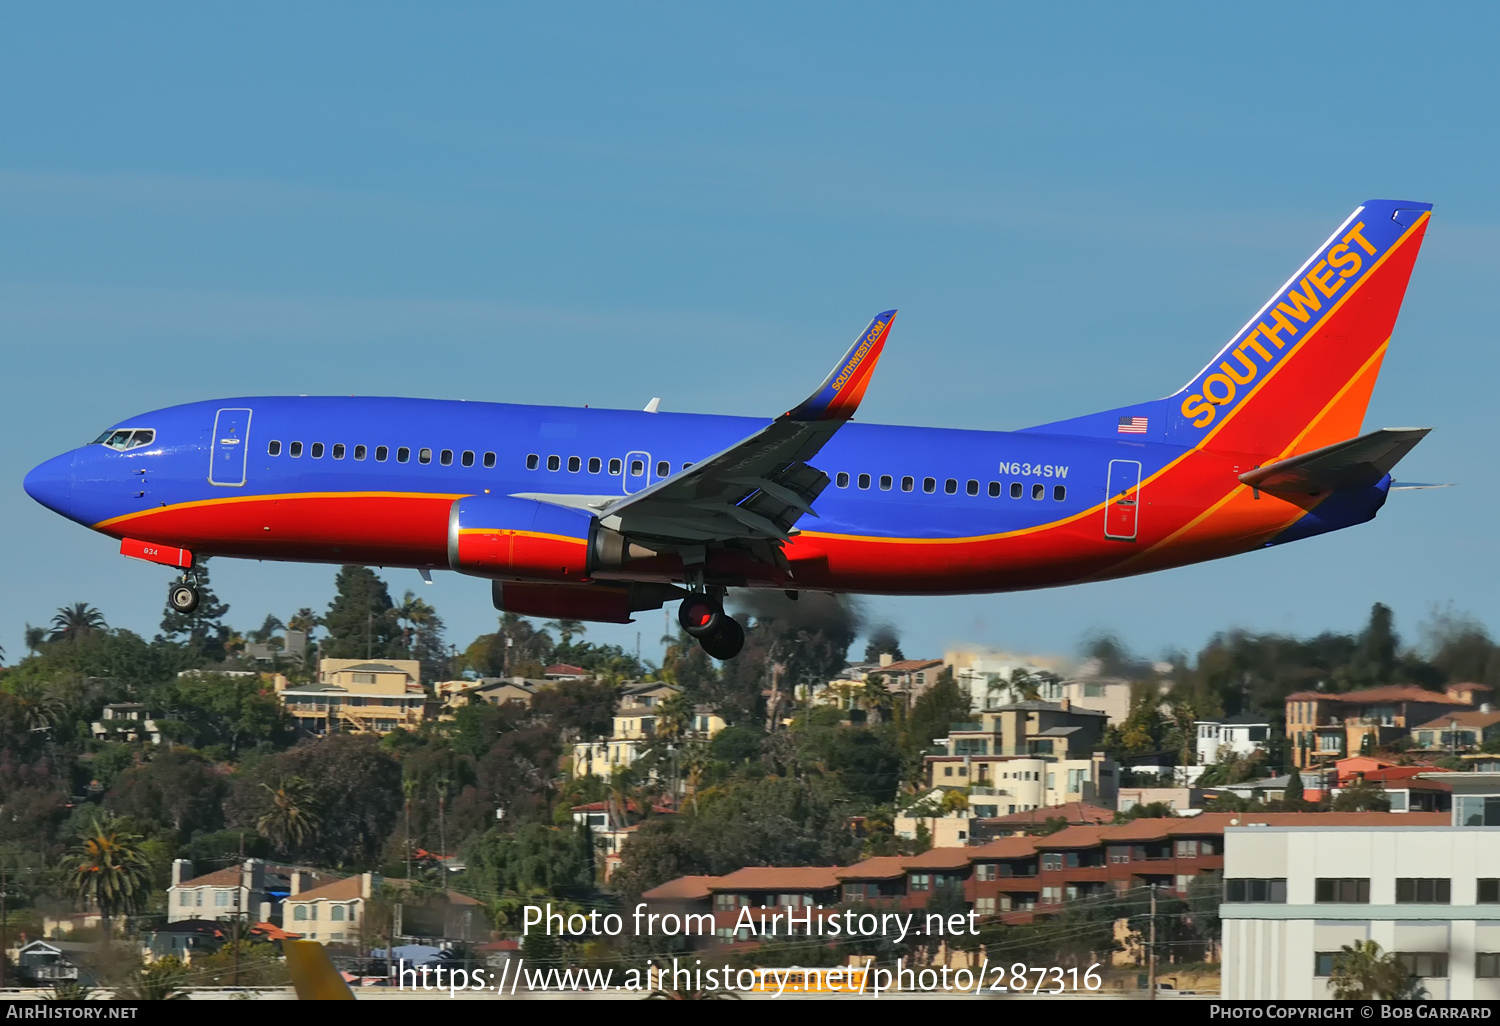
183	596
702	616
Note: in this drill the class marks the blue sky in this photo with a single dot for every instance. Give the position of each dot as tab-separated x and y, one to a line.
599	203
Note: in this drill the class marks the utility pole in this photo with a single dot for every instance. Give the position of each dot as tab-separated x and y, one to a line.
1151	957
3	944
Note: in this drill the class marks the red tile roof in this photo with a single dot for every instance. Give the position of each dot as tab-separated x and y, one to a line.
1074	812
226	877
347	889
907	666
1006	848
882	867
563	669
940	858
774	878
1387	693
1073	837
684	888
1476	720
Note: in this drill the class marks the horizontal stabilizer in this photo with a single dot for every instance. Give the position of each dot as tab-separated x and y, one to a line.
1357	463
1413	486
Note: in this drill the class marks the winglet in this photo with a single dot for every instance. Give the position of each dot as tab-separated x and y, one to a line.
839	395
313	974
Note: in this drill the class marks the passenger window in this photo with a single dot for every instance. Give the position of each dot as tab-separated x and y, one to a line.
554	462
637	468
595	463
424	456
1059	493
360	452
274	449
294	450
907	484
338	450
615	467
686	465
574	464
950	486
885	482
864	481
382	453
841	479
929	485
489	460
446	457
467	459
1015	489
317	450
403	454
973	488
1038	490
533	461
994	489
664	469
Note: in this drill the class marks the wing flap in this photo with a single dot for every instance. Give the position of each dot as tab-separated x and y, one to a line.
1357	463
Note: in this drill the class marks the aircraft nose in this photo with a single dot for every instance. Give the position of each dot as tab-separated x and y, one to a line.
51	484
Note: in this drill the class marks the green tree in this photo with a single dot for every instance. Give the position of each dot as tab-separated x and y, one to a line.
422	636
177	789
291	818
1362	796
109	869
1294	791
1363	972
80	619
532	860
940	706
359	621
566	629
162	980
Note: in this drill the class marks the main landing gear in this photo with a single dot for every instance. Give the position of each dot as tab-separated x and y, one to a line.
183	596
702	616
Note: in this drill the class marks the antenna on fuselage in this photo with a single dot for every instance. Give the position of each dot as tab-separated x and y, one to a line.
653	404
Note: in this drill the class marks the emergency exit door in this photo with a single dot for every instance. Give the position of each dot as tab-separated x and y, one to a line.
1122	502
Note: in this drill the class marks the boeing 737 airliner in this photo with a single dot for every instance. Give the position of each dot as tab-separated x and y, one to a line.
596	514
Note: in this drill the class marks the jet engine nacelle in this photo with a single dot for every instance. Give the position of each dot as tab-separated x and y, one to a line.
605	603
502	536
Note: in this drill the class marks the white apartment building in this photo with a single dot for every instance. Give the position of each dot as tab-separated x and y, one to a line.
1429	891
1231	738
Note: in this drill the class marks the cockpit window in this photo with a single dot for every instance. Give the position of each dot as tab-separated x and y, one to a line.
126	438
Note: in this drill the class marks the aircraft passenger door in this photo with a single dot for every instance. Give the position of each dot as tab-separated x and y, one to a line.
1122	498
230	448
637	471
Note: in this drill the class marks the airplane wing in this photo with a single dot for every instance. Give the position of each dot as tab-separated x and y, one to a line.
758	488
1357	463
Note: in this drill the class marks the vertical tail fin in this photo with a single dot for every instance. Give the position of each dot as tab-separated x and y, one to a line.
1298	375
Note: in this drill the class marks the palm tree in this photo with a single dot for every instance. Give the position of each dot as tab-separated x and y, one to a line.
157	982
292	819
414	614
566	629
674	718
36	637
1362	972
73	622
108	868
271	625
42	706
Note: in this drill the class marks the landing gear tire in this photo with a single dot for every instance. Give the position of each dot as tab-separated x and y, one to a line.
726	641
700	615
183	597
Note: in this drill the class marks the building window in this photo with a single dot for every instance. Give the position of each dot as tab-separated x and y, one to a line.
1489	891
929	485
921	882
984	906
1423	890
841	479
1344	891
1186	849
864	481
1052	861
274	449
338	450
300	914
1119	853
1487	965
1052	895
221	899
336	913
1424	964
317	450
1270	891
184	899
1323	963
985	871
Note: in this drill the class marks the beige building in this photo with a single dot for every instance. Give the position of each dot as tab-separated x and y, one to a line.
331	913
635	727
358	696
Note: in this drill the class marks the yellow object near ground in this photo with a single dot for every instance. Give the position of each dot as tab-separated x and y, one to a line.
313	973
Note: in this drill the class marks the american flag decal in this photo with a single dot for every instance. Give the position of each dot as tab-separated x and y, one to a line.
1132	426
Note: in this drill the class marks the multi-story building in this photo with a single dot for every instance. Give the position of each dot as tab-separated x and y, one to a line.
1428	890
253	889
635	727
1231	738
330	913
358	696
1015	878
125	721
1324	727
1459	731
